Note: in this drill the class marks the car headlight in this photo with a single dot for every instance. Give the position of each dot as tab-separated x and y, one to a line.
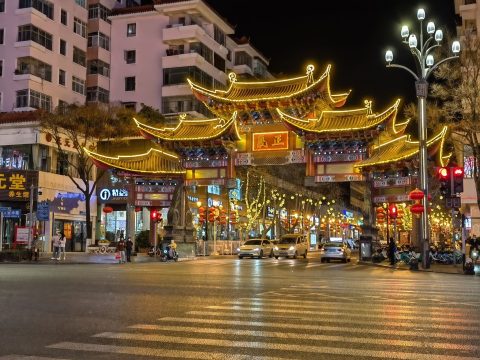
238	249
256	249
275	248
474	253
291	248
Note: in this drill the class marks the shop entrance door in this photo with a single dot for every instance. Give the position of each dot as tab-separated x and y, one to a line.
79	235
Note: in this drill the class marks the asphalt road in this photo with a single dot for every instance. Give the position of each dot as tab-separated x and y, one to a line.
236	309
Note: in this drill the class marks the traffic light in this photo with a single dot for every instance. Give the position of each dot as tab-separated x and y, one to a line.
155	215
457	181
445	180
392	211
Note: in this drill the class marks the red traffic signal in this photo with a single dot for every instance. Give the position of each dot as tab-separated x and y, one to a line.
393	211
155	215
457	181
458	172
443	173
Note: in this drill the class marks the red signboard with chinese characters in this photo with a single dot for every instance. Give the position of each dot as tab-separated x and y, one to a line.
15	184
277	140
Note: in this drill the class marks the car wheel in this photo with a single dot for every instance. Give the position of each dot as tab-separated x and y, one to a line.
276	257
240	257
344	260
271	254
349	259
328	260
305	254
261	254
295	255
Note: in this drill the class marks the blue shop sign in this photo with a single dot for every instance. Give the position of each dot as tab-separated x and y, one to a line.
43	211
12	214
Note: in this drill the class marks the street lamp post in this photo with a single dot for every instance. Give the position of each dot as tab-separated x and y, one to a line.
425	66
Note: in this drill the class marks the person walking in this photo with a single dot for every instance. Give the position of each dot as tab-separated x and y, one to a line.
56	245
392	248
62	243
129	247
35	247
121	249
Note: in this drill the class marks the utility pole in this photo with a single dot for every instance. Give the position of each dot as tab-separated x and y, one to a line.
30	222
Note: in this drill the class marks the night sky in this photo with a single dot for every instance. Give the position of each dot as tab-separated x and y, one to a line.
351	35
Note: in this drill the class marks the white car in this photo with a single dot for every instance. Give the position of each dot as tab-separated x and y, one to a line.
256	248
335	251
293	245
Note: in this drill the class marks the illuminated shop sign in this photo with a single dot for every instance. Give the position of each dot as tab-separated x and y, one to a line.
15	184
270	141
107	194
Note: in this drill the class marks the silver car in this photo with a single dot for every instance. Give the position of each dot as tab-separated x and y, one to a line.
256	248
293	245
337	251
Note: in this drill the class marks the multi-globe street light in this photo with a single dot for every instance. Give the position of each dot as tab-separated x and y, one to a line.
425	65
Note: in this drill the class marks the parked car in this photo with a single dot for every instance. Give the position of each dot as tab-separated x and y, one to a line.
293	245
336	251
255	248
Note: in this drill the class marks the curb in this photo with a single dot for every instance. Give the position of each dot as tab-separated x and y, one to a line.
407	269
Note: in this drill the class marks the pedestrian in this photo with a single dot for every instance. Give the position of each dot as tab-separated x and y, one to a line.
35	247
62	243
56	245
392	248
121	250
129	247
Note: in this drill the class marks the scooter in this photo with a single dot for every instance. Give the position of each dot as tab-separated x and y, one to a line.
169	254
155	250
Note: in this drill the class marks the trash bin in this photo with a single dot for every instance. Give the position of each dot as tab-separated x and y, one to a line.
365	248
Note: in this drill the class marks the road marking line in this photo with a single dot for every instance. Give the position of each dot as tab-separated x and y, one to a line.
430	317
290	336
280	346
379	322
446	335
135	350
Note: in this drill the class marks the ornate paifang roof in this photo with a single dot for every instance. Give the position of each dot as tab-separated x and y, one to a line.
341	121
264	91
194	130
401	148
154	161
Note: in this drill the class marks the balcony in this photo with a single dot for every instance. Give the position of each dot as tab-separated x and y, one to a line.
180	34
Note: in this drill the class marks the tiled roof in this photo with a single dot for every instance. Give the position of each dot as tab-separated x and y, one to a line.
197	129
341	121
155	161
18	117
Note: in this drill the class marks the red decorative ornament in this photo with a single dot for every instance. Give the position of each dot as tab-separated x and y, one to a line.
416	194
380	216
107	209
416	209
138	209
380	210
380	221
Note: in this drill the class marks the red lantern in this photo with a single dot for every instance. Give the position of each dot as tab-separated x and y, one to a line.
380	210
138	209
416	209
416	194
380	216
380	221
107	209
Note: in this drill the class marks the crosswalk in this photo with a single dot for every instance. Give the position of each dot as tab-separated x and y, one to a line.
412	319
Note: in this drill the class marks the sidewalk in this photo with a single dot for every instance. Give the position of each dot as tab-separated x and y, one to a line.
437	268
84	258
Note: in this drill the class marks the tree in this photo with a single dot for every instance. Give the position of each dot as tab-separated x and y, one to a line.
458	92
82	127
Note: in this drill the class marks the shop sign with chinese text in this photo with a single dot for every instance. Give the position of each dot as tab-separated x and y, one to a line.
15	184
270	141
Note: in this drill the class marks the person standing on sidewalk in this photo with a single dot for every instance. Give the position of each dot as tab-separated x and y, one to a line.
392	248
56	245
121	250
129	247
62	243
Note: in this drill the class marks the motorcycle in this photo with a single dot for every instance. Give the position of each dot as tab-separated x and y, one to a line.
169	254
155	251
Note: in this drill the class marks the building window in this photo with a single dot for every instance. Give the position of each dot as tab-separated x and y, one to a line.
30	65
203	50
45	7
130	56
62	163
219	62
218	35
63	17
130	83
82	3
62	77
16	157
79	57
98	11
130	105
99	67
30	32
469	162
63	47
468	2
79	27
98	94
2	5
99	39
2	35
78	85
183	104
34	99
242	58
131	29
180	75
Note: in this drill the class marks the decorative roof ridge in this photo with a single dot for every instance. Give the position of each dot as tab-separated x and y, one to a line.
216	93
121	157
